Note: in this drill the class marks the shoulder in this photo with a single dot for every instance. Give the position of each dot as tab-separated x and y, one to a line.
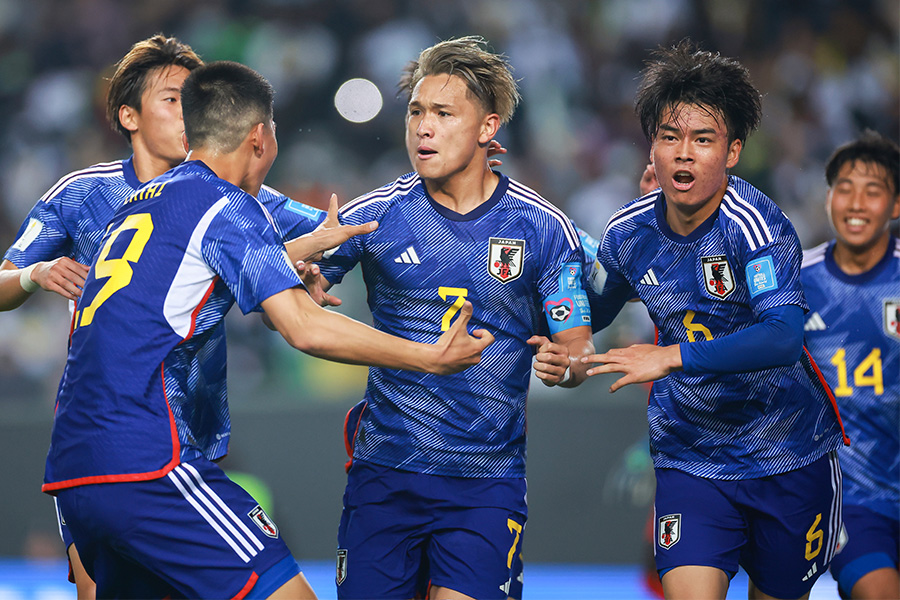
83	181
814	256
632	215
380	200
550	216
752	215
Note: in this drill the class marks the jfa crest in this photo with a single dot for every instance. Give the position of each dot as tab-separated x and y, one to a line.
892	317
262	520
505	257
717	276
341	572
668	530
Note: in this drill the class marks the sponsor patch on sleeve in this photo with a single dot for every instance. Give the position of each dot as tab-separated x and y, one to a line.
761	276
569	307
29	235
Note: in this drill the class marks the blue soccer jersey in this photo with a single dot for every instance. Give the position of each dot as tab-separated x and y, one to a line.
511	257
136	399
743	260
853	333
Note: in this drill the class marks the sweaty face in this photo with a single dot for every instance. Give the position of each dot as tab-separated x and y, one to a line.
445	127
691	155
159	122
861	204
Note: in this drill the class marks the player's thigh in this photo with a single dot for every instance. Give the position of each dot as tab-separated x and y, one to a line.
794	522
473	550
696	523
194	528
381	536
871	546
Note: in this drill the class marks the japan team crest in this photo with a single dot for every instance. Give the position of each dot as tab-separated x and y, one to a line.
892	317
262	520
717	276
341	572
668	530
505	258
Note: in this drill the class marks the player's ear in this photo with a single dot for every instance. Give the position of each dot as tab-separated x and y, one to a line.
734	153
489	128
128	117
258	139
184	142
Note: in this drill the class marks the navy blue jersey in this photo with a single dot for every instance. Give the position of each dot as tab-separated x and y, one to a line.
853	333
513	257
742	261
142	389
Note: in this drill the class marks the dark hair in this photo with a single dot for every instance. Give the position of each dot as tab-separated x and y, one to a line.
221	102
871	148
132	72
488	76
686	74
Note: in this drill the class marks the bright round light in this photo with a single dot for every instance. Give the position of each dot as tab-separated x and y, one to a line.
358	100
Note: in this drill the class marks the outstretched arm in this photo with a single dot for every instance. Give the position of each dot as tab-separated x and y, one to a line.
63	276
329	235
325	334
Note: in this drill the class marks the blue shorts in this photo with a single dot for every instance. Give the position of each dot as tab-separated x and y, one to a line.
66	536
872	543
396	526
783	529
191	534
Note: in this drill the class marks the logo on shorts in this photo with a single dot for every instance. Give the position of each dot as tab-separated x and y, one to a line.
669	530
717	276
262	520
892	317
341	572
505	257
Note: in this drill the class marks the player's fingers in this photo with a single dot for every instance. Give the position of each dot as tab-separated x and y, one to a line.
537	340
465	313
331	218
484	335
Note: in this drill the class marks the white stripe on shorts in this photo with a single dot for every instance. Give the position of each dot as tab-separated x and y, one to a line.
835	518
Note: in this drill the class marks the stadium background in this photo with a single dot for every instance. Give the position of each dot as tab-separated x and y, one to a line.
826	68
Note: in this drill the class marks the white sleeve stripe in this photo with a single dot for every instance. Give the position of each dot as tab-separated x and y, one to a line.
738	209
192	279
629	212
531	197
400	186
814	256
101	170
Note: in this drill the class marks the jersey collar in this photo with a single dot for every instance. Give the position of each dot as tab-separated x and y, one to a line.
479	210
859	278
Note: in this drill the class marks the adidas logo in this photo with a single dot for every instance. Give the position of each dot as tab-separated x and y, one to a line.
811	572
649	278
409	257
815	323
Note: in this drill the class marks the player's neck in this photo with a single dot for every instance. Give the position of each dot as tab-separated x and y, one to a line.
147	167
232	167
855	261
464	191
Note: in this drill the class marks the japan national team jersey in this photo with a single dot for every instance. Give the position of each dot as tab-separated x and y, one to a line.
512	257
853	333
742	261
135	400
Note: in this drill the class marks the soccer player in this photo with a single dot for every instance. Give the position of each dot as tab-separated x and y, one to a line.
437	476
148	510
61	234
743	431
852	284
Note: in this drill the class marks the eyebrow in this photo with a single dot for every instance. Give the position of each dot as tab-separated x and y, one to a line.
705	130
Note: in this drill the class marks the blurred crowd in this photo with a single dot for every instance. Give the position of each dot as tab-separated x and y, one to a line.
826	68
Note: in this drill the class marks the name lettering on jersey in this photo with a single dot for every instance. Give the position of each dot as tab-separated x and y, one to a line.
761	276
892	317
668	530
717	276
505	258
150	191
262	520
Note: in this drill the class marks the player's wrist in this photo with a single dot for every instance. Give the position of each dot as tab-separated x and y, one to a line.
26	281
567	376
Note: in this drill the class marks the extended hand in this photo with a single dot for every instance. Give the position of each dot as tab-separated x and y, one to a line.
494	148
329	235
457	349
551	360
316	284
640	363
63	276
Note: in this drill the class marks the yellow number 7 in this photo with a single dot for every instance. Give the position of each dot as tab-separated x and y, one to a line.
118	270
460	294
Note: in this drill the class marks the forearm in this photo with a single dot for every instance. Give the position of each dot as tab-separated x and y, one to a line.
578	345
776	340
12	294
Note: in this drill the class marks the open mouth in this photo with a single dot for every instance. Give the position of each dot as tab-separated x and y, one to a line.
424	152
683	180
